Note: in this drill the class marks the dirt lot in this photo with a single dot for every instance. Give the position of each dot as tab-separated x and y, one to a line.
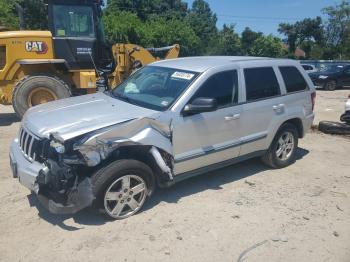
301	213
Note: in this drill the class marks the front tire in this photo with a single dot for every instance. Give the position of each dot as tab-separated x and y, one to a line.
38	89
122	187
282	151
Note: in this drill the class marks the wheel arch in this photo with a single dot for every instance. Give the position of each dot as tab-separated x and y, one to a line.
298	123
143	154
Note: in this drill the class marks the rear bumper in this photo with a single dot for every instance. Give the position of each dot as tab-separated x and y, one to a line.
307	123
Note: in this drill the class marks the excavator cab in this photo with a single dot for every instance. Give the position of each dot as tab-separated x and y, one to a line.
78	35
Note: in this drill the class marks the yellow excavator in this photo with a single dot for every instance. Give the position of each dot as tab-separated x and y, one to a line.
72	58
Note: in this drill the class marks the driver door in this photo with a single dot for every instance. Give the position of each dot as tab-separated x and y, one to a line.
207	138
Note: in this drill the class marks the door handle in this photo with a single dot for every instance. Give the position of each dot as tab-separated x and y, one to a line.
232	117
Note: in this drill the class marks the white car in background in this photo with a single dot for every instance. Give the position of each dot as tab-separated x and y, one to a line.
346	116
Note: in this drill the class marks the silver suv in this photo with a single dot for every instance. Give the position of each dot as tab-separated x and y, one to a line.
169	121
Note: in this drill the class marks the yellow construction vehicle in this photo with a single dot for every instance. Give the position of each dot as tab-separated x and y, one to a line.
41	66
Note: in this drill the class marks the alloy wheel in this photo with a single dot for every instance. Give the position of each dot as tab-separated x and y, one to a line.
125	196
285	146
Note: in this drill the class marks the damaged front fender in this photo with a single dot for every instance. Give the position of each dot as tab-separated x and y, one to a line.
99	145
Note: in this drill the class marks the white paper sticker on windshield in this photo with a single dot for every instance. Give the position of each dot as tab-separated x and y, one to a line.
183	75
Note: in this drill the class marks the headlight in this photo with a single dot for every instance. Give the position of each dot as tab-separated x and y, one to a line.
322	77
60	149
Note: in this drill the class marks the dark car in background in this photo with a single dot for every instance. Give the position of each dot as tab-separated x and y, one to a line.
332	77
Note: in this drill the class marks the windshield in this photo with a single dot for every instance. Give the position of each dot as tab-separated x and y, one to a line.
73	21
332	68
153	87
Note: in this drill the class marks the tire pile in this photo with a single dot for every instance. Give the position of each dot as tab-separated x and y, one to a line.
336	128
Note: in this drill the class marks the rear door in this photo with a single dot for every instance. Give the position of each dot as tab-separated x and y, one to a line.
262	110
298	96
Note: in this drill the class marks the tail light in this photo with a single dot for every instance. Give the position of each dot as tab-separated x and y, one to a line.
313	100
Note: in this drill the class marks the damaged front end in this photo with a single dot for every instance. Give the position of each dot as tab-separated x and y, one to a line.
64	184
145	132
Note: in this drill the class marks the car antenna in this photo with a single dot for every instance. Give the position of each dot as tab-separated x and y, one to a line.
93	62
101	84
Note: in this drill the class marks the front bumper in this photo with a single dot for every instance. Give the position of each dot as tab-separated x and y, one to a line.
308	122
23	169
27	173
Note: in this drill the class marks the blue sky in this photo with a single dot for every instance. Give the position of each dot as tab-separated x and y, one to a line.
265	15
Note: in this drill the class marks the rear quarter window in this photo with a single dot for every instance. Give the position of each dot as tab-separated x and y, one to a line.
261	83
293	79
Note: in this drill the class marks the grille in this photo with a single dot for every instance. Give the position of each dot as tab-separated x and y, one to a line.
29	145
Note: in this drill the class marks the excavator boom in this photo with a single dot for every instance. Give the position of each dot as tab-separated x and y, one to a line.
130	57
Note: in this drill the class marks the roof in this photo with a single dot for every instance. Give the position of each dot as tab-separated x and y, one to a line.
28	33
203	63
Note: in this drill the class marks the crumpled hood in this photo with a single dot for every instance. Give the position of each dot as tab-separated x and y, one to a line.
79	115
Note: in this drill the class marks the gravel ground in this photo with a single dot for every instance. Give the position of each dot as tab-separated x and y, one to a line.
244	212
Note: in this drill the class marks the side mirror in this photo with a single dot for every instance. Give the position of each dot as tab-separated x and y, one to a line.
201	105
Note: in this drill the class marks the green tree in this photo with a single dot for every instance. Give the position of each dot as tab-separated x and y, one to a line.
35	14
268	46
203	21
8	15
337	29
227	42
306	32
290	32
123	27
146	9
248	38
163	32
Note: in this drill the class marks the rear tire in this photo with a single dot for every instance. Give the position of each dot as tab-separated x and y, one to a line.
114	194
38	89
335	128
282	151
330	85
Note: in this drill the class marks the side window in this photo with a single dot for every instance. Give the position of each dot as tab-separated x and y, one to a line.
222	86
307	67
293	79
261	82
